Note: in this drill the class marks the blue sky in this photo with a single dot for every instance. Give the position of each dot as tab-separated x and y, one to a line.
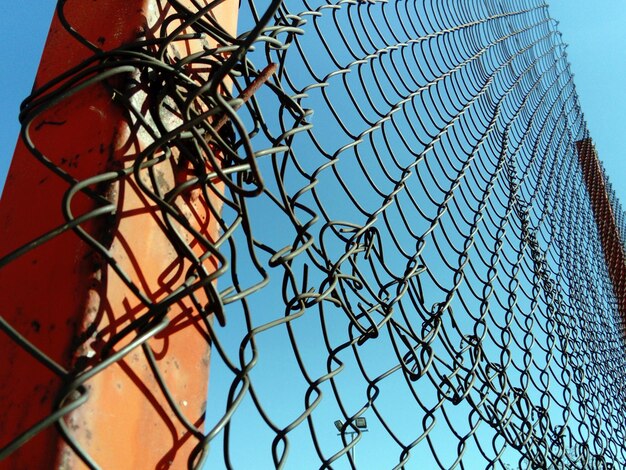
597	40
24	30
593	30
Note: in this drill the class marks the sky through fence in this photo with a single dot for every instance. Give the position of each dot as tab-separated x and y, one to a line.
407	238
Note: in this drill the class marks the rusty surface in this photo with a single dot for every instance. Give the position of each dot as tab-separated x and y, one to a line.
67	301
605	218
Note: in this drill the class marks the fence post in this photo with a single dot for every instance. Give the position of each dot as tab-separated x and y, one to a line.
605	219
121	400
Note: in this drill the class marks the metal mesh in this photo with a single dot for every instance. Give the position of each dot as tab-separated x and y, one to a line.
405	237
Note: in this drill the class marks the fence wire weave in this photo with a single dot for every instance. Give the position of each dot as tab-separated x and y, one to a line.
405	236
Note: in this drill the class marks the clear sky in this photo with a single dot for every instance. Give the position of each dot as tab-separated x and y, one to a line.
594	30
23	33
596	36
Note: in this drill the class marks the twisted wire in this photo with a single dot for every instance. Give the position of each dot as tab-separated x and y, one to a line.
405	236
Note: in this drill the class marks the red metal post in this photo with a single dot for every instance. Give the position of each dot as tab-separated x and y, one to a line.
605	219
64	299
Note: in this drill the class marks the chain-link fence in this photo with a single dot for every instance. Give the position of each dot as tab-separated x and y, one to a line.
405	236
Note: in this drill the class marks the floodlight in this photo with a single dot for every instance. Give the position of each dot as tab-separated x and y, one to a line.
339	425
361	423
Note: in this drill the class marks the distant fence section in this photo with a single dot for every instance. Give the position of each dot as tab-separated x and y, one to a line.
384	219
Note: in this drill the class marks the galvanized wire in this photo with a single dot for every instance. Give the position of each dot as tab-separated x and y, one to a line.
405	236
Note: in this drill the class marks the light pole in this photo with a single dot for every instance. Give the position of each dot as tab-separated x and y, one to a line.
361	425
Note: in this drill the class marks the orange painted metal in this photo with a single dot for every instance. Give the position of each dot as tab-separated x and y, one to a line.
605	219
64	299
